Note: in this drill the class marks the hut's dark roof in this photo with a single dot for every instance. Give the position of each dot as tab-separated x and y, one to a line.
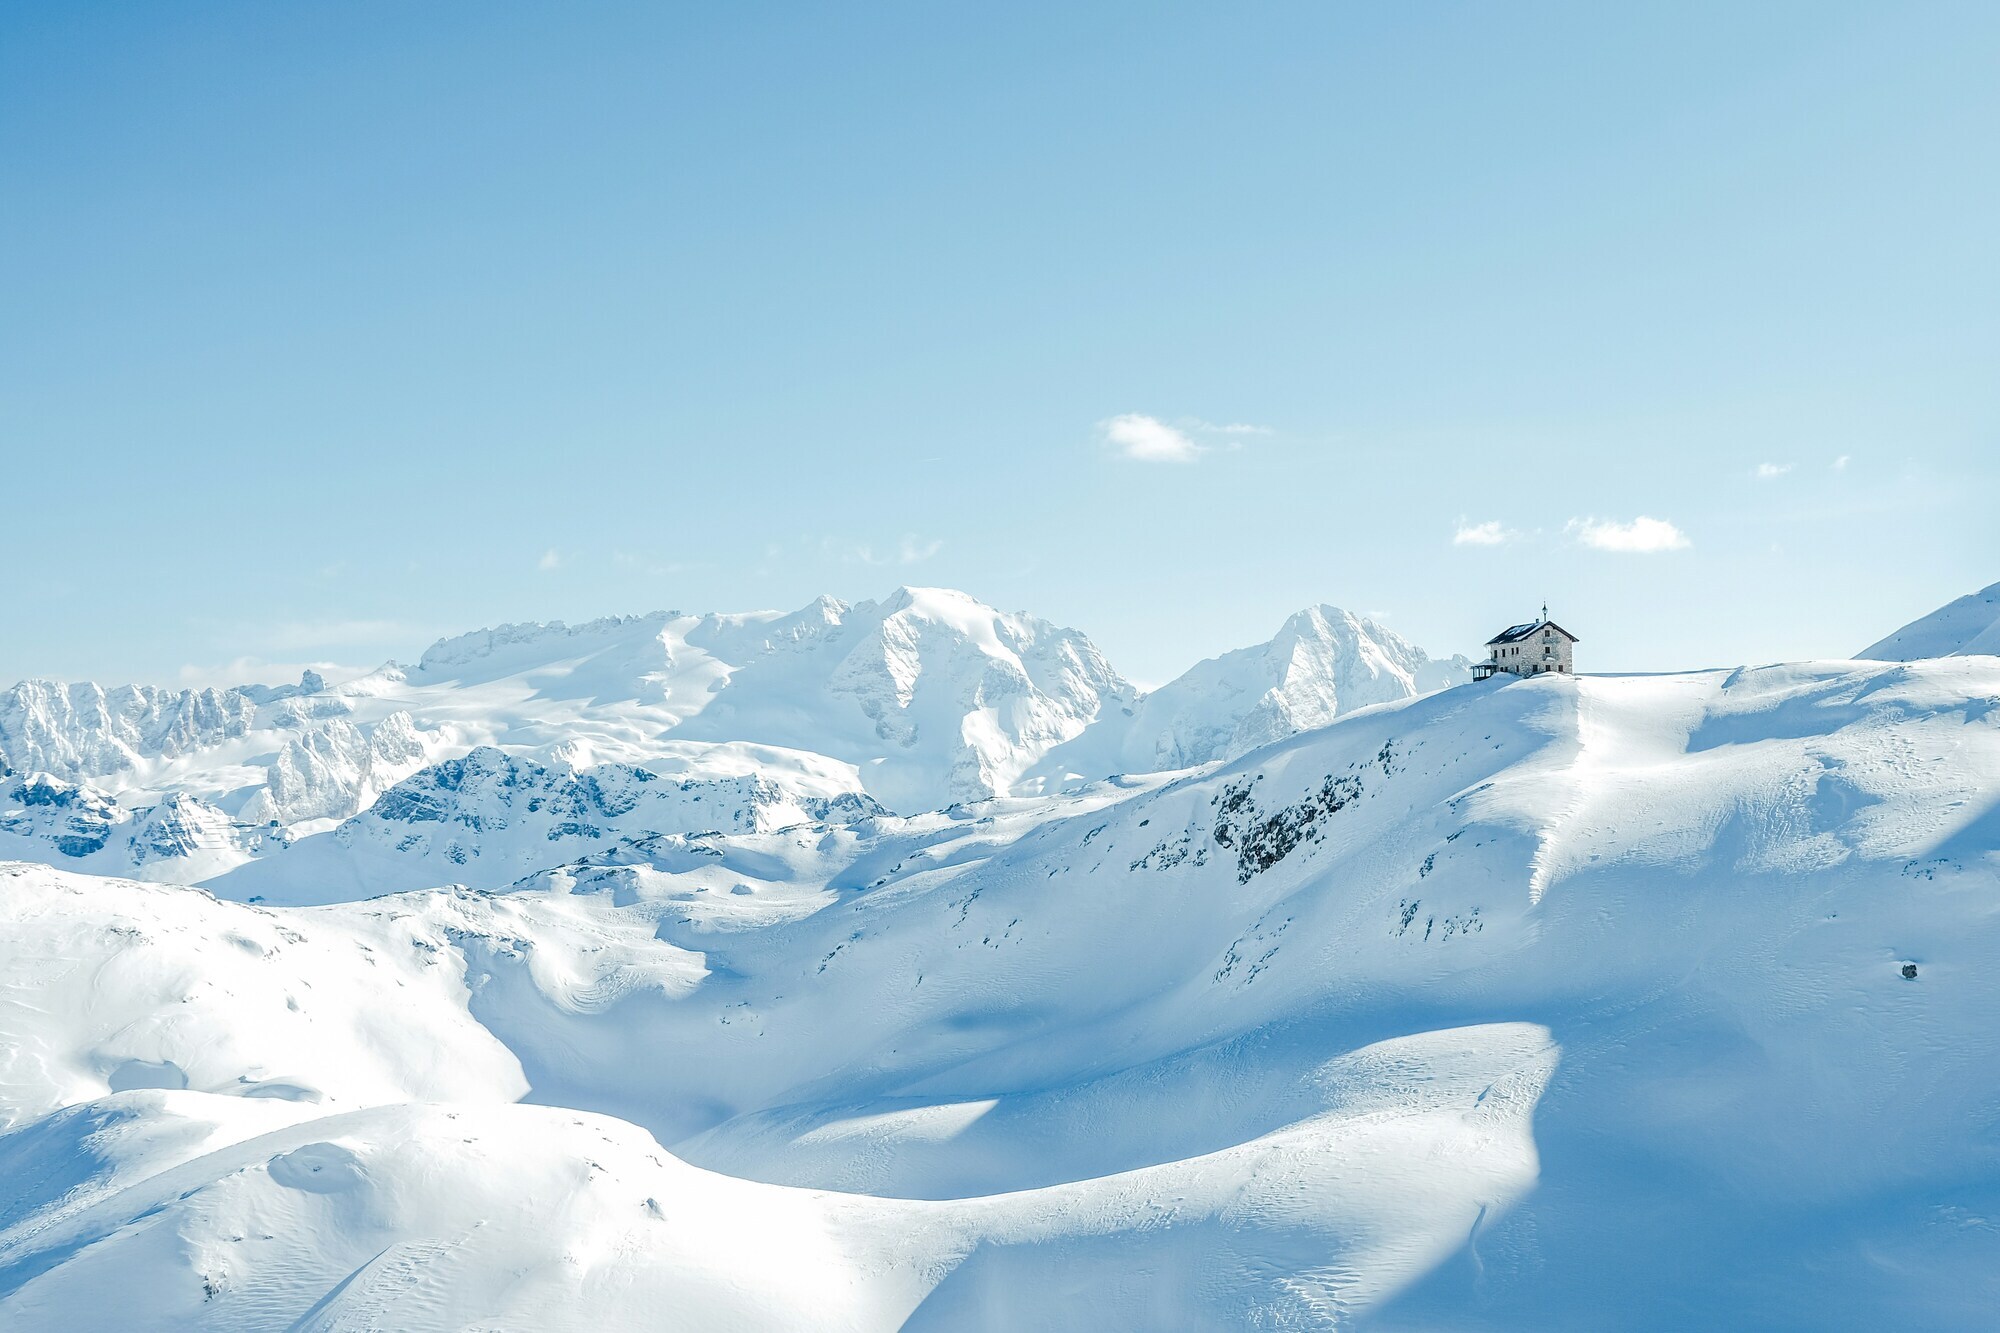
1516	633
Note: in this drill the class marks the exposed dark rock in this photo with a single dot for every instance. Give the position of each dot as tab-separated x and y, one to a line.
1262	840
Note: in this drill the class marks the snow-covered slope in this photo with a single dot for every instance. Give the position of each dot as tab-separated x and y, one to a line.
1971	624
1564	1002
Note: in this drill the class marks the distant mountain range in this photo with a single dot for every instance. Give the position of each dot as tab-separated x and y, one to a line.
712	722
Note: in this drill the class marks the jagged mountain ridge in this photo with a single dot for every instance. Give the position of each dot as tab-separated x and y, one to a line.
491	818
923	699
42	817
86	730
1322	662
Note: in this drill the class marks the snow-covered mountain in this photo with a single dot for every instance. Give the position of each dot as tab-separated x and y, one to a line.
1971	624
330	768
1629	1002
44	818
1321	663
928	696
491	818
85	730
747	721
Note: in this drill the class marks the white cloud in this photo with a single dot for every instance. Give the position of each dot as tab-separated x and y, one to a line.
1147	439
1766	471
1641	535
658	569
297	636
914	551
1840	463
1490	533
911	550
1233	428
261	671
551	559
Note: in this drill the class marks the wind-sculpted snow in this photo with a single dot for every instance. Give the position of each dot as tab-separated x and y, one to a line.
234	1001
1648	1002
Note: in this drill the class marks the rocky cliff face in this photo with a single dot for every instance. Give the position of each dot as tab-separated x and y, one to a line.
489	818
73	819
334	769
44	817
86	730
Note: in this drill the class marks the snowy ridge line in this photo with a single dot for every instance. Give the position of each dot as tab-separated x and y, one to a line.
921	701
1971	624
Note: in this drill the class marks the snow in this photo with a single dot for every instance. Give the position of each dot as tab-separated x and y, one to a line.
1970	624
1562	1002
72	730
1322	662
753	721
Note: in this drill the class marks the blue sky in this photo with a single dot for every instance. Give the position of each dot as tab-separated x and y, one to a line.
325	330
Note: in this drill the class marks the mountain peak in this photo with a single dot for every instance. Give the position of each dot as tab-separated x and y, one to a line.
1323	661
511	647
1970	624
924	698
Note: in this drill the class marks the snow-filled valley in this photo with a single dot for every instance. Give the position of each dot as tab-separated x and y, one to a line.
902	966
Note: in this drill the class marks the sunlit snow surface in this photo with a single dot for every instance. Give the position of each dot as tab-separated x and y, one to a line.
1970	624
513	749
1560	1003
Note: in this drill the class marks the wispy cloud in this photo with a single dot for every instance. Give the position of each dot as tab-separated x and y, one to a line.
652	568
1766	471
910	550
1840	463
1148	439
1642	535
1490	533
260	671
1233	428
302	636
551	559
1145	439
